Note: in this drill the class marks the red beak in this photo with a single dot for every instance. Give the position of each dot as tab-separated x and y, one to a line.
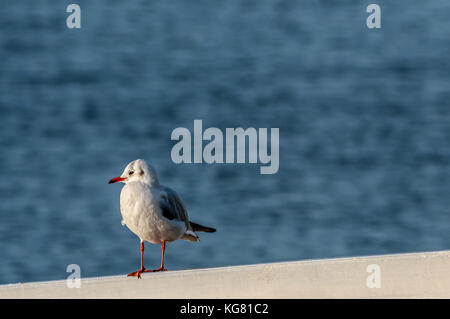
116	179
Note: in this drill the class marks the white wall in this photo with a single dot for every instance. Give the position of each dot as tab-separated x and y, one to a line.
420	275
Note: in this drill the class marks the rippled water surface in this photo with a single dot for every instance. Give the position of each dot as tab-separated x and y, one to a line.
363	116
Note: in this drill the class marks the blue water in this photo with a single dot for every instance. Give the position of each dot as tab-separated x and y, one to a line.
363	114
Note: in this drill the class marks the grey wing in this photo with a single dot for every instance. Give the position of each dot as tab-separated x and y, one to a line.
173	208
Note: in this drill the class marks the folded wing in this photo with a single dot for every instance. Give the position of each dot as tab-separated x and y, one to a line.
173	209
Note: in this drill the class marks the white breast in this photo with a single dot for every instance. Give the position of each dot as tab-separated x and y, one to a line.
139	205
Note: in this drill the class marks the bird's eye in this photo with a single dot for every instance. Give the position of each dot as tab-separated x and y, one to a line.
130	172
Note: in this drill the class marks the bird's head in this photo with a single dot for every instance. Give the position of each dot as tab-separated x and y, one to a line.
137	171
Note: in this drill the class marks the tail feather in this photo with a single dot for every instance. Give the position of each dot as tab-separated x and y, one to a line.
190	236
198	227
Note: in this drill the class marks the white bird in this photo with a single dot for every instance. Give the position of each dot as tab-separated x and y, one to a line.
155	213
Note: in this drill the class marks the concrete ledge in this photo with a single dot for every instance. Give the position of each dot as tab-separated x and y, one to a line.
418	275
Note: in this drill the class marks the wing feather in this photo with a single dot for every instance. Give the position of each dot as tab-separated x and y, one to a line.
173	208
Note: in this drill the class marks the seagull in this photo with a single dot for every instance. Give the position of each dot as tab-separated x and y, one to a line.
153	212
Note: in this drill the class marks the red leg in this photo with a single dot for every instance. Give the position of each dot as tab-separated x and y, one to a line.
140	271
163	249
